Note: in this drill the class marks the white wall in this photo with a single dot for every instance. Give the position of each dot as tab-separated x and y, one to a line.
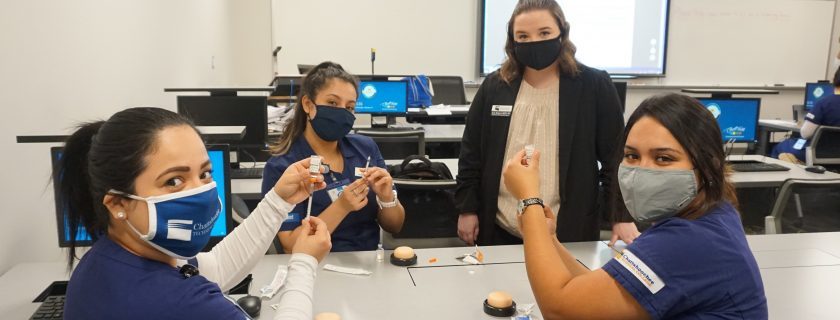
67	61
433	37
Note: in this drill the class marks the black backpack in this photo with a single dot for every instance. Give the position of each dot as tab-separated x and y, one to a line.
430	203
425	170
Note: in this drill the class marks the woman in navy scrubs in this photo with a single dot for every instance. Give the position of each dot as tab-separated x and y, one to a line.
826	112
693	263
320	126
140	183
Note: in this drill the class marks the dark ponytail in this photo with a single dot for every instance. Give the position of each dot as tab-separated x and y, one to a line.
104	155
315	80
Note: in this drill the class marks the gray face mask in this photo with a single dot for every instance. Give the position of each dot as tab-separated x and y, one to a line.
652	195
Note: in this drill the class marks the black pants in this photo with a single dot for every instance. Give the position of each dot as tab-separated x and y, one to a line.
502	237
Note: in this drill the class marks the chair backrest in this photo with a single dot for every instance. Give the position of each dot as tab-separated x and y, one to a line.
448	90
431	219
773	222
392	143
825	147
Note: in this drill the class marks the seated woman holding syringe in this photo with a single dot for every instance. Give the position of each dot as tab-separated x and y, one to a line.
320	126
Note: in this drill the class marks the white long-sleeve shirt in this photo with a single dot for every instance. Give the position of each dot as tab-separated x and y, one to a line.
237	254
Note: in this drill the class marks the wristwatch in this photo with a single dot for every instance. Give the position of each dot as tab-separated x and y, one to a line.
383	205
521	205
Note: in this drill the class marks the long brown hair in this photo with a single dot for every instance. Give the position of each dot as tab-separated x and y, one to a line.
312	83
696	129
511	69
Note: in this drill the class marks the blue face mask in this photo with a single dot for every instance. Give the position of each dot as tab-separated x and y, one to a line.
180	223
332	123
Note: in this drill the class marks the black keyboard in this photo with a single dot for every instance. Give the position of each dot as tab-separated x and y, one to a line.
756	166
51	308
246	173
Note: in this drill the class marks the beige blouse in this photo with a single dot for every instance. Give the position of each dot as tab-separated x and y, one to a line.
535	120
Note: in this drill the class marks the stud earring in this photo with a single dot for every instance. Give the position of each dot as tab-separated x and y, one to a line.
120	215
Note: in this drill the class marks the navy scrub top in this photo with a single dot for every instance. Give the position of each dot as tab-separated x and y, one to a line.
826	112
693	269
112	283
359	231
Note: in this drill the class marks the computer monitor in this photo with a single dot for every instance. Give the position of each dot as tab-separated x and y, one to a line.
305	68
248	111
379	97
814	91
737	117
219	157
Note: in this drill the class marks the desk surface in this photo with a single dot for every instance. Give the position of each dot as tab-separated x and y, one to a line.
779	125
252	188
773	179
806	290
227	133
740	179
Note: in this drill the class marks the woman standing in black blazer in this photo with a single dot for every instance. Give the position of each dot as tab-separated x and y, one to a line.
542	96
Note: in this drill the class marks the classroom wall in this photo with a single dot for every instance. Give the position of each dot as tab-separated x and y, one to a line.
68	61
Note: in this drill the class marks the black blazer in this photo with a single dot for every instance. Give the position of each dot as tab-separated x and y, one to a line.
591	127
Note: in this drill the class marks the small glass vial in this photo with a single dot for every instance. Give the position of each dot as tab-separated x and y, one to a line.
380	253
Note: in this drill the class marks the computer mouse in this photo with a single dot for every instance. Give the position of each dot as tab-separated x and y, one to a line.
815	169
251	305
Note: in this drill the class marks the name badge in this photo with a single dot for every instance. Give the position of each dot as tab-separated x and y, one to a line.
500	110
335	189
799	144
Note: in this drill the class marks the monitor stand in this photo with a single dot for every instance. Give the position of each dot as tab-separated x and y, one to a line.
382	121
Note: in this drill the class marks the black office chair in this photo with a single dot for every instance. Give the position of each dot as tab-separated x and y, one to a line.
424	228
795	187
397	144
825	148
448	90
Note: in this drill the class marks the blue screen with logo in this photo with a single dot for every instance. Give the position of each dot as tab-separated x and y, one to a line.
815	92
737	118
217	161
218	164
382	97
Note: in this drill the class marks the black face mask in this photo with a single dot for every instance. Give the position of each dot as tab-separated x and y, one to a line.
537	55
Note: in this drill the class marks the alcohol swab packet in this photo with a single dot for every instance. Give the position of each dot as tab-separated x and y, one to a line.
268	291
340	269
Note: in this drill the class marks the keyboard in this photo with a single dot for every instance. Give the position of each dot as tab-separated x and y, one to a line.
756	166
246	173
51	308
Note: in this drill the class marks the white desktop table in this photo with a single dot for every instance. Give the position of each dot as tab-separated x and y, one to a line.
801	274
739	179
251	188
774	178
226	133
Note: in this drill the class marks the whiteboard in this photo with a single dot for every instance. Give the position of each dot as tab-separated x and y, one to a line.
711	42
748	42
433	37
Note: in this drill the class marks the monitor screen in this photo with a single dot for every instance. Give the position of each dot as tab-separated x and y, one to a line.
248	111
619	36
815	91
737	117
382	97
219	157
